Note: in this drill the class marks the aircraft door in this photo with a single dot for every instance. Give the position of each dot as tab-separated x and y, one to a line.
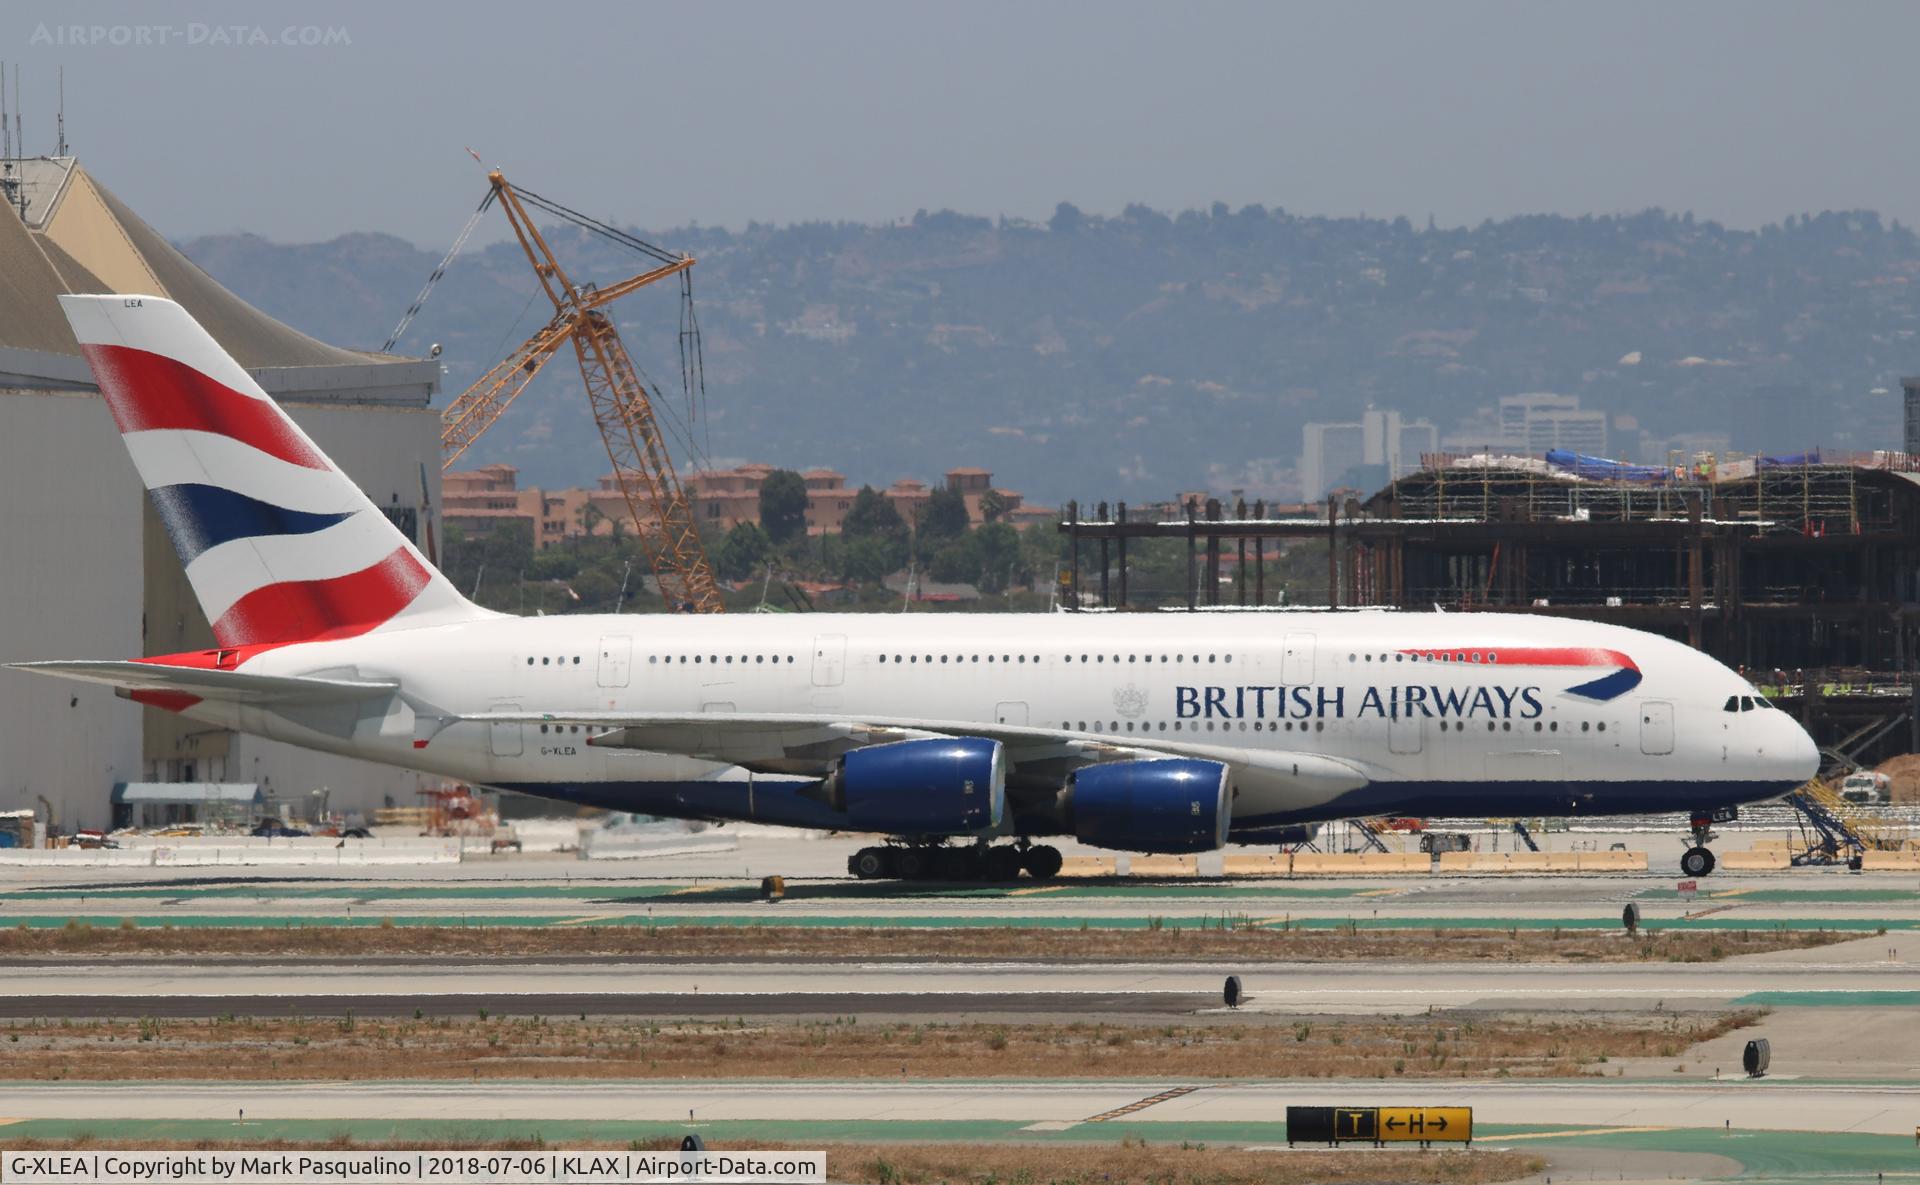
616	660
829	660
1656	727
1011	712
1405	731
503	736
1296	660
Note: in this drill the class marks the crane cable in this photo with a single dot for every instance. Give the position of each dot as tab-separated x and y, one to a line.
598	227
414	309
693	375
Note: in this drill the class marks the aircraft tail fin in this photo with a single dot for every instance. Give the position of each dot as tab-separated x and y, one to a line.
279	545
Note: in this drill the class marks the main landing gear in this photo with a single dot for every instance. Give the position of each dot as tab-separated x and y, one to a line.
978	862
1698	860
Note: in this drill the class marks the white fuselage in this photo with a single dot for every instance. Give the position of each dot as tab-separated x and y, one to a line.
1324	715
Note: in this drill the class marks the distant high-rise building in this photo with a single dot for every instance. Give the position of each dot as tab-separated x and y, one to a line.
1380	441
1536	422
1910	387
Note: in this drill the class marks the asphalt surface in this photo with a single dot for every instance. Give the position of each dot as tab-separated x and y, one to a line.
1764	1105
641	987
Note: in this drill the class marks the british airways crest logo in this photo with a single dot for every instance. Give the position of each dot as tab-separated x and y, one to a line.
1616	671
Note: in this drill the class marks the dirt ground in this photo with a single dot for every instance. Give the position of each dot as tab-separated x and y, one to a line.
1903	774
1221	938
1128	1161
1449	1045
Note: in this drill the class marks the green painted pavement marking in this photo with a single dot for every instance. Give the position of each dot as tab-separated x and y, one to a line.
1833	999
1764	1155
775	918
1827	1157
1790	895
690	893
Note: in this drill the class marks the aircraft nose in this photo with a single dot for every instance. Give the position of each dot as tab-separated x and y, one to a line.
1794	750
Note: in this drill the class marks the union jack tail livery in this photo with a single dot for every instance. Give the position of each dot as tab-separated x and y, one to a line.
279	545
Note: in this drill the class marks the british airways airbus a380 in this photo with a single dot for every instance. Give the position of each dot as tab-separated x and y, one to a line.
1165	733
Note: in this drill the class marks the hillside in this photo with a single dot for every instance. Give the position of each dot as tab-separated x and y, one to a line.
1127	357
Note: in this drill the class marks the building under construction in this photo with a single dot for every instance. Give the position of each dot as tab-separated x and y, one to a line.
1804	571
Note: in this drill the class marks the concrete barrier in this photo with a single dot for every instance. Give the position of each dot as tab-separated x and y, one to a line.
1874	861
1280	865
1164	866
1758	860
75	857
1610	861
1361	863
1533	863
1089	866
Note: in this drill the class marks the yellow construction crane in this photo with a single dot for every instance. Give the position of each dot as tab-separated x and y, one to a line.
662	516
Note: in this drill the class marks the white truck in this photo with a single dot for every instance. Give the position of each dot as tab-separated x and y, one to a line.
1866	788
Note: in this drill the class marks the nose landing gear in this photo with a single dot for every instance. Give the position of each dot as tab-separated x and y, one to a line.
1698	860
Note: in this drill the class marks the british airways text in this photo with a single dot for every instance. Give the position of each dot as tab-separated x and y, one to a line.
1314	702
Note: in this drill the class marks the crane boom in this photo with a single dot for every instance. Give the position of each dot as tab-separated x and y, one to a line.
469	416
622	408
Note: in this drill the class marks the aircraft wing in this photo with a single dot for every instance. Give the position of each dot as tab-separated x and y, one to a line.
805	743
129	678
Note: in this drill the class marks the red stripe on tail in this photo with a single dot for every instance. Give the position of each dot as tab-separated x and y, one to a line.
317	610
146	391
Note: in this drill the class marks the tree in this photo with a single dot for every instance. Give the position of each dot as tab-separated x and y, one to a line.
943	519
866	559
998	546
993	504
743	551
957	562
872	515
783	506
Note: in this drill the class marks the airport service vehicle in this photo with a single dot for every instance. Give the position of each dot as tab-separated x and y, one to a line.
966	740
1866	788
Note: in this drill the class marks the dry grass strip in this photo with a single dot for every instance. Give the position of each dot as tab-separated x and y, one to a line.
1450	1045
1175	940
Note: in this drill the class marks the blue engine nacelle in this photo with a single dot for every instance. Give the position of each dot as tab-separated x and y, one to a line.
937	786
1169	805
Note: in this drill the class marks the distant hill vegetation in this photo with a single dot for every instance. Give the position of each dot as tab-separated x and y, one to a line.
1131	356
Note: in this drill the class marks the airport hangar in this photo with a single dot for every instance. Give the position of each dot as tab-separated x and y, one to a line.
89	570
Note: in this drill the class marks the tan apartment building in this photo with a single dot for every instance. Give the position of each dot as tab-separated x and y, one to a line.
476	500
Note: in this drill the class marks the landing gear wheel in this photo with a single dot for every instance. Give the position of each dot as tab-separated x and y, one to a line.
1043	862
1002	864
955	864
910	864
1697	862
871	864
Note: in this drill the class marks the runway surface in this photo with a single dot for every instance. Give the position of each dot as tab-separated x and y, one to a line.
532	985
1775	1106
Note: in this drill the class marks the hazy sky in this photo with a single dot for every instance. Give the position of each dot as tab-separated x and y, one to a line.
660	114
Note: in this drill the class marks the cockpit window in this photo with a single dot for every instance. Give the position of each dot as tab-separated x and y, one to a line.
1732	704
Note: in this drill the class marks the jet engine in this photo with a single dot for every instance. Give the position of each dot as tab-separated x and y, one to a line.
1162	805
935	786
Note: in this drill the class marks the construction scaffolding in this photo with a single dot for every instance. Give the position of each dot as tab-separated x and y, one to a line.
1802	571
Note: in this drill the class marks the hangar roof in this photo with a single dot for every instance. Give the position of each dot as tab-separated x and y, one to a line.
76	236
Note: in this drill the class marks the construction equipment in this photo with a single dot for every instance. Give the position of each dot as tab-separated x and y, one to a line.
642	467
1833	830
